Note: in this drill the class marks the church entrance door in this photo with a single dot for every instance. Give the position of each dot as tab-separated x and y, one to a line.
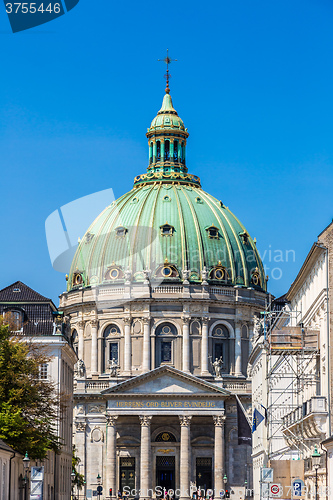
127	473
204	473
165	473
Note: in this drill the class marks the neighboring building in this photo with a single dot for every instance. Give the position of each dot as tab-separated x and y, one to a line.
293	364
164	283
37	319
11	468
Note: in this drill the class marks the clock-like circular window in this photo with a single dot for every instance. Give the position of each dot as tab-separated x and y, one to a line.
219	274
166	329
167	271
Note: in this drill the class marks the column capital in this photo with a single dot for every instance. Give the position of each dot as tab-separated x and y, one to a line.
145	420
185	420
81	324
186	319
80	426
127	321
205	320
111	420
94	323
146	320
219	420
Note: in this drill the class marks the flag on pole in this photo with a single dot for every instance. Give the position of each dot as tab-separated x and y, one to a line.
244	428
257	419
266	413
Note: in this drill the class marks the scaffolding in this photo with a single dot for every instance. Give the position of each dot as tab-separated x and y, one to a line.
292	357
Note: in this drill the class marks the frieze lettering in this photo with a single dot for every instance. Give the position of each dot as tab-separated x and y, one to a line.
166	404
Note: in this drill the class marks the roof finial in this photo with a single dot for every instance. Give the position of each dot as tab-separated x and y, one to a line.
167	61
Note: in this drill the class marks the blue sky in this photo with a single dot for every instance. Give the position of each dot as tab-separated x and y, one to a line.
253	84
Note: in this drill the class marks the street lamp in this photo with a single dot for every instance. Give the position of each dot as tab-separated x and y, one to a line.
226	492
99	487
26	465
316	464
73	476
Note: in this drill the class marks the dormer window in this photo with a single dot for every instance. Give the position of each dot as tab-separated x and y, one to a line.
213	232
77	279
218	273
167	230
114	273
120	232
166	198
255	278
198	200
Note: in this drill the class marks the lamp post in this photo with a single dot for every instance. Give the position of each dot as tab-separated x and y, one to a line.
225	481
73	476
26	465
99	482
245	487
316	465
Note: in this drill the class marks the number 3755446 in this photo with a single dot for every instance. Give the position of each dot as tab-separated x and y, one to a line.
32	8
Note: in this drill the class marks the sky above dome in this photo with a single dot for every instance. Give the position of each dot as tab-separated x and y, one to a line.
253	84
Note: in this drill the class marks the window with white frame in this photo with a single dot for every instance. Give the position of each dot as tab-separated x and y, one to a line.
43	371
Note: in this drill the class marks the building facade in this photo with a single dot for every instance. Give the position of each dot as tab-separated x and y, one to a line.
36	319
292	361
161	297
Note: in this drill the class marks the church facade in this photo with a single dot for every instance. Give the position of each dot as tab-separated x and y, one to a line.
161	297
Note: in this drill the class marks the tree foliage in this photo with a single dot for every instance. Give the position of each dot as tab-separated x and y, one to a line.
79	478
29	406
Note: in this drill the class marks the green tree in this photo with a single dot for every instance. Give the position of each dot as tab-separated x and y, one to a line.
79	478
29	406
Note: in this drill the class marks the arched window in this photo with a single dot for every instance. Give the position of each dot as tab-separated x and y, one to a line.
221	347
111	346
175	151
165	437
158	151
167	150
165	334
183	153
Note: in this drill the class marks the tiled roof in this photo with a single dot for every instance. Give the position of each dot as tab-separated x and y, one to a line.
19	292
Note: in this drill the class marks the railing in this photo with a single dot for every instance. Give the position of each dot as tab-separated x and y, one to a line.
231	292
167	289
111	291
317	404
98	385
237	386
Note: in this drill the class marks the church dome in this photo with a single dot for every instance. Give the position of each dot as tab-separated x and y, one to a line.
167	227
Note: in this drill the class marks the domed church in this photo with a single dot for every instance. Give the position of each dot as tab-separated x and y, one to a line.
161	297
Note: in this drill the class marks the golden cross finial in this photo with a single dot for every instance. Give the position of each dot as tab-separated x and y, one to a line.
167	61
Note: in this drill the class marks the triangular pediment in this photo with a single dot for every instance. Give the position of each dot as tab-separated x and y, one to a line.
166	381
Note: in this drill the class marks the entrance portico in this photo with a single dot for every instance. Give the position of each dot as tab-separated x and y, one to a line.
176	438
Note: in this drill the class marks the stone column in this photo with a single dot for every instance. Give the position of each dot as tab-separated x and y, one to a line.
186	344
145	460
80	327
94	357
127	347
185	456
218	454
238	350
146	345
111	448
81	447
204	347
154	151
162	149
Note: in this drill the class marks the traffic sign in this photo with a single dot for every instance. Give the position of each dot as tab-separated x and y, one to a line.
266	475
275	490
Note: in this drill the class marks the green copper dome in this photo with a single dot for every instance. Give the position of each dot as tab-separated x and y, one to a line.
167	228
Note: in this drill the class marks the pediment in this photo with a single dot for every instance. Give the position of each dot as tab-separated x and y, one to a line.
166	381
